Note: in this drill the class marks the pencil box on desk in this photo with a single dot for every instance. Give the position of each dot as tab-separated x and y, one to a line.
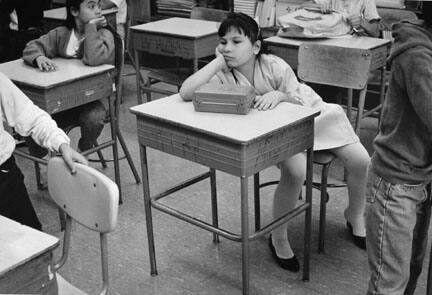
224	98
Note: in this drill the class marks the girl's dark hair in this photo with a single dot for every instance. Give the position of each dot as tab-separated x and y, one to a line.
427	13
70	19
244	24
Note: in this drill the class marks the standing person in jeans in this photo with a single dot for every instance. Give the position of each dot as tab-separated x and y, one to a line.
399	184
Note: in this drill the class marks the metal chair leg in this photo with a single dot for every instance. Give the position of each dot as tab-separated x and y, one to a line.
323	207
257	202
128	156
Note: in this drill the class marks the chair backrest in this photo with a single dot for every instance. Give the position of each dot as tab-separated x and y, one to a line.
333	65
88	197
211	14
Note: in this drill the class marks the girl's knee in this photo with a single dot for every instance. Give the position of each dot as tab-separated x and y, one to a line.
293	170
93	114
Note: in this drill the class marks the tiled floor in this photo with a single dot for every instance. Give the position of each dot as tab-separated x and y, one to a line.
188	261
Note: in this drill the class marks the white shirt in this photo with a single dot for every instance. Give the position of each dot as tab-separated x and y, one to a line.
73	45
19	112
365	8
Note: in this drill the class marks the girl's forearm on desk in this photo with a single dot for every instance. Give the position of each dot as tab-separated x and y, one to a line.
200	77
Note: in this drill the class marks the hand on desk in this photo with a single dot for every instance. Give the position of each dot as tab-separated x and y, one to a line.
268	101
45	64
70	156
355	20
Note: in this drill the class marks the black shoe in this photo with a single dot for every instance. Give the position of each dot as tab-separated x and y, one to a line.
358	241
290	264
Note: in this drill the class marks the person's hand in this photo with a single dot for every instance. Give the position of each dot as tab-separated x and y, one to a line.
221	59
267	101
100	22
45	64
355	20
70	156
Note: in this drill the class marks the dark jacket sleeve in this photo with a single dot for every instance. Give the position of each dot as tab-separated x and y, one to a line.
99	46
47	45
416	71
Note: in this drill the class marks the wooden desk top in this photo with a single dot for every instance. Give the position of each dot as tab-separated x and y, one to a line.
181	27
68	70
349	41
236	128
60	13
20	243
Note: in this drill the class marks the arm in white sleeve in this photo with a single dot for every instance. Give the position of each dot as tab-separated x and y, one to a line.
27	119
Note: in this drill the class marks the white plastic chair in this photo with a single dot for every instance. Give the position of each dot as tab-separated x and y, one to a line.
89	198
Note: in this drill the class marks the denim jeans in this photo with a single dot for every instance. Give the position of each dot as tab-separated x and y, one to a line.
397	221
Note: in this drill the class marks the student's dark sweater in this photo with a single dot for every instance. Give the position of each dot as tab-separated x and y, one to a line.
403	146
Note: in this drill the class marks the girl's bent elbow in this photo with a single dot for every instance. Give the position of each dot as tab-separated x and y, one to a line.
184	95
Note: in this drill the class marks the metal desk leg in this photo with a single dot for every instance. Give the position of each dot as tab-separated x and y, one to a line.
113	125
308	215
138	73
147	208
214	203
245	233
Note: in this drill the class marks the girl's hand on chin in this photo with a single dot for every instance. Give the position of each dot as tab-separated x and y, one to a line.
267	101
222	61
100	22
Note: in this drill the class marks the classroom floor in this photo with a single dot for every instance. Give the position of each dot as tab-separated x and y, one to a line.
187	259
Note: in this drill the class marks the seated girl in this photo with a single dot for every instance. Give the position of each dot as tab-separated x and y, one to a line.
83	36
362	15
240	59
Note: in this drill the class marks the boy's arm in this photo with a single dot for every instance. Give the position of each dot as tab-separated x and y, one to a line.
46	45
201	77
417	76
27	119
99	46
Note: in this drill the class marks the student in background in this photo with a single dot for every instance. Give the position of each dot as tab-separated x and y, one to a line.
19	112
20	22
121	15
84	36
362	15
240	60
399	186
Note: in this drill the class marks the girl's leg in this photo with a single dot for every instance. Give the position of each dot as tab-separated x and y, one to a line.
356	161
293	173
91	120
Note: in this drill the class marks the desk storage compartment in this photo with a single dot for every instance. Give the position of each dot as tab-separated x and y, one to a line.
224	98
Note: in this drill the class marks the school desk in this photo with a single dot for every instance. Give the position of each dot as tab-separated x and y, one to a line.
26	259
55	17
71	85
287	49
177	37
240	145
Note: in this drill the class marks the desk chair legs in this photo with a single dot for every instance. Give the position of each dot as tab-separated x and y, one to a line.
245	233
214	206
148	211
128	156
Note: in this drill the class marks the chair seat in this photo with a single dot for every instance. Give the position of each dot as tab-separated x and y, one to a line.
323	157
66	288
